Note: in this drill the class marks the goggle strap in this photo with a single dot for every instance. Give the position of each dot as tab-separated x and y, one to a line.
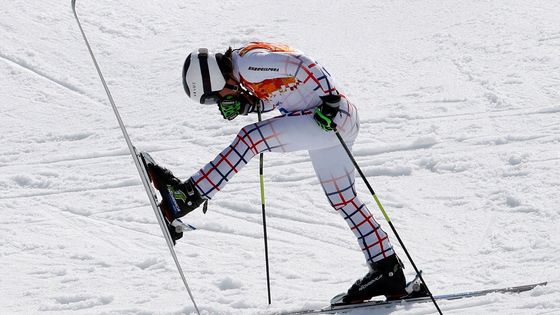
205	72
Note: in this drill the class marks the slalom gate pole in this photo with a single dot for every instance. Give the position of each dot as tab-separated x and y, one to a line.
137	162
343	143
261	176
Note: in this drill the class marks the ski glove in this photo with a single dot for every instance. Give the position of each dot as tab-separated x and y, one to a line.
326	112
233	105
230	106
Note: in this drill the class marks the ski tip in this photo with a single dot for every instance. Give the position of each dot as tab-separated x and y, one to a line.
541	284
146	157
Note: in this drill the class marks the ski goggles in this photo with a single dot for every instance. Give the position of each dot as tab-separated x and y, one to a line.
210	99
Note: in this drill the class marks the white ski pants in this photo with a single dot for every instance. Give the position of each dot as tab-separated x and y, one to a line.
299	131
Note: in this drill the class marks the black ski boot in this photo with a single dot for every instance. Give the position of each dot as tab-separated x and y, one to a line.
385	277
178	198
184	199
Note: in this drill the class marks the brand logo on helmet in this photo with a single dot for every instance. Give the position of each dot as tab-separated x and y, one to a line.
263	69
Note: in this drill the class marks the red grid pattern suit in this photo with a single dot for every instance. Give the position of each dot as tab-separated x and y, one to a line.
284	78
334	169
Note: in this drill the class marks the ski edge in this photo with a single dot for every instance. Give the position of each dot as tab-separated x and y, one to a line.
441	297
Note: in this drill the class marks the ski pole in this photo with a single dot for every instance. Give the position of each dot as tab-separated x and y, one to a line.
343	143
136	160
261	176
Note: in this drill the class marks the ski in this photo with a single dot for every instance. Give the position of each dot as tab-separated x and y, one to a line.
370	305
414	288
137	162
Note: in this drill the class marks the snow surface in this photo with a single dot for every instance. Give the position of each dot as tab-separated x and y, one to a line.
460	137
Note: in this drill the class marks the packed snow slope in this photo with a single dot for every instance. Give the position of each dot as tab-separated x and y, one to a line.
460	138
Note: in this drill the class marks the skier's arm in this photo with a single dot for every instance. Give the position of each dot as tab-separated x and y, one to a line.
261	73
260	65
266	73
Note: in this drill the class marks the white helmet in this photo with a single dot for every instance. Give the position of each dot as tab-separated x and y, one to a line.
202	77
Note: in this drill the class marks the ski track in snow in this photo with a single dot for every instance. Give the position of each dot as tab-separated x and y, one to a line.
460	137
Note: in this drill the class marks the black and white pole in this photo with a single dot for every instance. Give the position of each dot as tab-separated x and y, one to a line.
343	143
137	162
261	179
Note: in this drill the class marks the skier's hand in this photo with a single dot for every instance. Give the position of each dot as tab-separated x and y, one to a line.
326	112
233	105
230	106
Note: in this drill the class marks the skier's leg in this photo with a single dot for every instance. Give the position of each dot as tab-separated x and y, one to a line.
336	174
385	277
280	134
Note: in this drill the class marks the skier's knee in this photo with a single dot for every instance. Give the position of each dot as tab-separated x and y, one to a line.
250	137
248	133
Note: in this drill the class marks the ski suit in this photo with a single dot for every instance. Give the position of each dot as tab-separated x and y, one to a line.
287	80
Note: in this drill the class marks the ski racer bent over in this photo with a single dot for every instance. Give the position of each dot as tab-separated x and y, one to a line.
265	76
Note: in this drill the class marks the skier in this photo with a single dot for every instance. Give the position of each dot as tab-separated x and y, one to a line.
264	76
